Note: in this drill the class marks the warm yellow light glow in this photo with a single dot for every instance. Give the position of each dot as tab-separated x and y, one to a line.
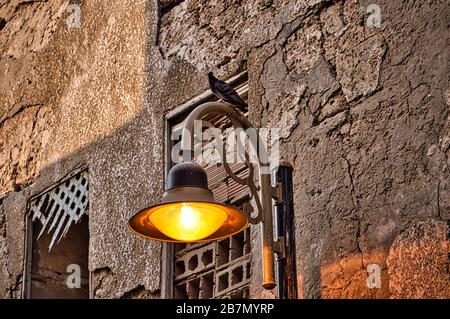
188	221
188	218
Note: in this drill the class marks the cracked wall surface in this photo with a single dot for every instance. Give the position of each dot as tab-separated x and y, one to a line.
363	118
72	97
363	112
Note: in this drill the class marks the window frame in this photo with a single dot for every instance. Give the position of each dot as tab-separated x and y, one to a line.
28	242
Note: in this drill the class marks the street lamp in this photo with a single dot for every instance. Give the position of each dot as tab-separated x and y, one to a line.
187	211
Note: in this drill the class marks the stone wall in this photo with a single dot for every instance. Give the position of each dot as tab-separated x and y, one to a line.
72	97
364	118
363	112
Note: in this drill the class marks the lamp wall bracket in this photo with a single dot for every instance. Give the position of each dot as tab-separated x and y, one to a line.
262	193
277	193
279	247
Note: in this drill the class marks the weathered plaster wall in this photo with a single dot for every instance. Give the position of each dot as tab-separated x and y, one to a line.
73	97
364	118
364	114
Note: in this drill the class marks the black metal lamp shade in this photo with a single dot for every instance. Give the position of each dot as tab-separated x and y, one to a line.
187	211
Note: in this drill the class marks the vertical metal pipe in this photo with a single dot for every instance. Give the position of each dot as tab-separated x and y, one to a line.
284	214
267	232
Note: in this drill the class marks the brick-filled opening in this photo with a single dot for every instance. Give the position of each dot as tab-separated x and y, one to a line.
221	272
193	288
207	257
223	282
237	246
193	262
207	286
181	291
223	252
237	275
179	268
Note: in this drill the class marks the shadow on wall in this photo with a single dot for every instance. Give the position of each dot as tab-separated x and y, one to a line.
124	177
80	103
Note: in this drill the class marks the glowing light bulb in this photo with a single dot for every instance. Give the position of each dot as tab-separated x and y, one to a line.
188	218
188	221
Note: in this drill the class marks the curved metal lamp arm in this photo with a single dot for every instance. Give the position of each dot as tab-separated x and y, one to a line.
254	190
262	194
